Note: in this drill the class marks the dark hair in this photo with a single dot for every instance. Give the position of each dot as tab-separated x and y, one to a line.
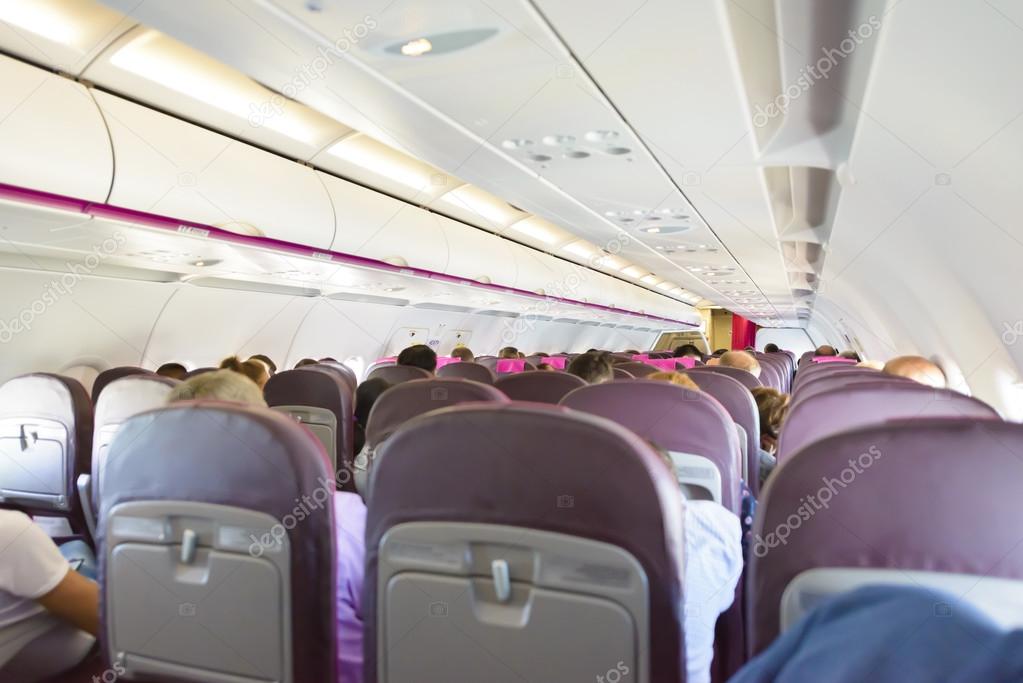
825	350
687	350
172	370
771	348
328	359
541	354
252	369
420	356
304	362
266	359
720	352
595	368
463	353
851	355
366	396
508	352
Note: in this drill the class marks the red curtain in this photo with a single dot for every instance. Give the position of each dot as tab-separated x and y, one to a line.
744	333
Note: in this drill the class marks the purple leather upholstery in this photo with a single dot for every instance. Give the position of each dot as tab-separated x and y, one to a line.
472	371
396	374
674	418
833	359
846	408
637	368
521	460
929	494
319	387
539	387
769	376
402	402
818	385
778	367
341	369
29	398
107	376
246	457
127	396
738	401
623	374
813	371
744	378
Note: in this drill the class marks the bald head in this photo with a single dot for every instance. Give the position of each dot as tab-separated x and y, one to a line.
742	360
917	368
826	351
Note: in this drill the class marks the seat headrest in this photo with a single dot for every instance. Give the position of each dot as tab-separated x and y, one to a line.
672	417
921	494
107	376
540	387
538	467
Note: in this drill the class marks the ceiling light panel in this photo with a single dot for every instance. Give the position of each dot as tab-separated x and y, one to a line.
158	70
63	34
363	158
538	230
479	207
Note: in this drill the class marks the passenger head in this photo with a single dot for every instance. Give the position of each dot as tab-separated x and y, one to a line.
773	406
595	368
719	352
872	364
851	355
679	378
253	369
508	352
917	368
771	348
271	367
220	385
742	360
687	351
545	367
304	362
172	370
463	354
825	350
366	395
420	356
541	354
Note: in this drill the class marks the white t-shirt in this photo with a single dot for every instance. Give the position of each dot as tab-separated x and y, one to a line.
713	557
30	567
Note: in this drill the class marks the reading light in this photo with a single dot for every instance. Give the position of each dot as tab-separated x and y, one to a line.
416	48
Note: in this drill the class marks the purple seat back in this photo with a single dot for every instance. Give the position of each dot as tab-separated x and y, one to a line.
500	449
674	418
123	398
107	376
396	374
770	377
927	494
778	367
820	370
834	359
341	369
506	366
317	387
860	405
539	387
402	402
818	385
738	401
45	444
249	458
744	378
637	368
472	371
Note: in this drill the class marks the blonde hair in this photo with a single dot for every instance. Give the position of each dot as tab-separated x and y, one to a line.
255	370
679	378
741	360
220	385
